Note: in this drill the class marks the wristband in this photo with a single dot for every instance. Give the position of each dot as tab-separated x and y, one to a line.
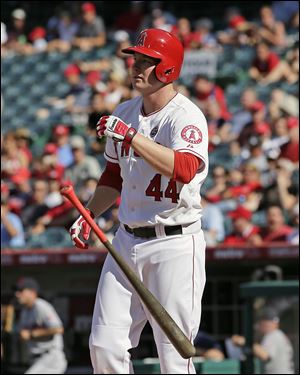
129	135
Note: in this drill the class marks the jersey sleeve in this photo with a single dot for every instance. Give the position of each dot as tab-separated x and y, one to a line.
50	317
189	134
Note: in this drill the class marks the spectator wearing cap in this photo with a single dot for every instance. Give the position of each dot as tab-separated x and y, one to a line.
276	230
208	347
61	139
91	32
38	40
84	166
275	349
52	168
78	98
239	32
12	231
258	126
40	328
20	191
17	32
244	232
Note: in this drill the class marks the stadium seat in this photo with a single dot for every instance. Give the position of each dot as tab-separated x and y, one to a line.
227	366
290	89
244	56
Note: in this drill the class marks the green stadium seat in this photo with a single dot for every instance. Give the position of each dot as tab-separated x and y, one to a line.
227	366
61	89
146	366
28	79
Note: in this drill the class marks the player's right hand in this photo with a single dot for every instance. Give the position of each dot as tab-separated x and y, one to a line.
81	227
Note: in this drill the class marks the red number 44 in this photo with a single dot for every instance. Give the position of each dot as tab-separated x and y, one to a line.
153	190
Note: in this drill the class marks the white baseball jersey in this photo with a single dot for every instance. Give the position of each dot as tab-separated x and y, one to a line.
147	197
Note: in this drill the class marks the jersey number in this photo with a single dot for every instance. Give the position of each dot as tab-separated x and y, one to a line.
153	190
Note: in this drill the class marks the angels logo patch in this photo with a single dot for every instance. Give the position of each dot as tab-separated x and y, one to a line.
191	134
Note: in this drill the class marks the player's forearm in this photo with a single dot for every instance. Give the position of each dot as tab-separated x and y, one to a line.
102	199
159	157
260	352
42	332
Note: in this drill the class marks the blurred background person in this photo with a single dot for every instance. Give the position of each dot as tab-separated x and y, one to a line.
274	348
40	327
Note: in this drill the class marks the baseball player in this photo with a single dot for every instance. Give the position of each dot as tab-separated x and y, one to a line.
157	159
41	329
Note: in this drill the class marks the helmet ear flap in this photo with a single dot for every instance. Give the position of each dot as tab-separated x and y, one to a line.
164	73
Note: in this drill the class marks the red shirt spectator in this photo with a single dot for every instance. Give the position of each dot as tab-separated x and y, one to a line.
276	230
265	60
206	90
244	231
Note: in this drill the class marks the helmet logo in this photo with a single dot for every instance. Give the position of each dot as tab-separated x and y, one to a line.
141	39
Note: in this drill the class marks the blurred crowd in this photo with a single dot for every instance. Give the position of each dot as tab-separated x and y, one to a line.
251	195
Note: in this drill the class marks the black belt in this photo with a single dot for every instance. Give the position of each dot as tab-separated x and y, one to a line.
148	232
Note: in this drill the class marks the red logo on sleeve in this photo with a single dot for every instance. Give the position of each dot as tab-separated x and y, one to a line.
191	134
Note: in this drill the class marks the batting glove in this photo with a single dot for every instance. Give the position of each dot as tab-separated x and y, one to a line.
115	128
81	227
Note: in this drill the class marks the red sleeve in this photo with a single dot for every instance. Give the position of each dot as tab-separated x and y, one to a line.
185	166
111	176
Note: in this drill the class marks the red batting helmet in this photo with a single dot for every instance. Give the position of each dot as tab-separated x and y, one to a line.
164	46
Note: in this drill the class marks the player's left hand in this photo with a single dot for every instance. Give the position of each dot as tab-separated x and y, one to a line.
115	128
